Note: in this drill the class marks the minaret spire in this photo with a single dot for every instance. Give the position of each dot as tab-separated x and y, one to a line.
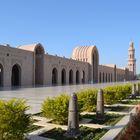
131	58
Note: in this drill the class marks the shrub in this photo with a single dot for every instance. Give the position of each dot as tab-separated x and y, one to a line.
113	94
138	88
132	130
14	122
56	108
109	95
87	99
123	92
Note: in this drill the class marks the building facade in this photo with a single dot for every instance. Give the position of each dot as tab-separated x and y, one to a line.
29	65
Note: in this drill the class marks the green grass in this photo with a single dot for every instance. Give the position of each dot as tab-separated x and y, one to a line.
34	128
110	119
86	133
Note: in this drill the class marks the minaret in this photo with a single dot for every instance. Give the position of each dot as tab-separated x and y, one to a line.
131	58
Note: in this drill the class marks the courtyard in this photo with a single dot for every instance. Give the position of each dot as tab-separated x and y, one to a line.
36	95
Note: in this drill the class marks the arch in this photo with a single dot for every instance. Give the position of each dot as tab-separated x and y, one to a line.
39	64
103	77
39	49
106	77
100	77
77	77
90	53
109	77
83	76
32	47
54	76
71	76
16	75
63	76
1	75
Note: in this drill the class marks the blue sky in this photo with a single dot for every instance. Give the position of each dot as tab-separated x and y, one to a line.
61	25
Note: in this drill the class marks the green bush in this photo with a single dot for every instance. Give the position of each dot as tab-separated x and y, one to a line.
138	89
122	92
87	99
14	122
56	108
113	94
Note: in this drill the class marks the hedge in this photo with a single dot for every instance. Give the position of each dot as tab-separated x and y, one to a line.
87	99
113	94
14	122
56	108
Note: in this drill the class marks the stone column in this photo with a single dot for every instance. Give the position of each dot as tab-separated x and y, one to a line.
73	117
100	105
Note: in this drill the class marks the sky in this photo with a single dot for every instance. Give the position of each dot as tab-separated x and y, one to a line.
62	25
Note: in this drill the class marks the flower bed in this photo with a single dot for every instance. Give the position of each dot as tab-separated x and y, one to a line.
85	134
132	131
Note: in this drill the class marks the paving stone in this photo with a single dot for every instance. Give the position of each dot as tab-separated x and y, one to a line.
115	130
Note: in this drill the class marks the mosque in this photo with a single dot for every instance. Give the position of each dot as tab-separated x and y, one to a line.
29	65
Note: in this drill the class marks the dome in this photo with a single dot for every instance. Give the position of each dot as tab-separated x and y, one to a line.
85	53
32	47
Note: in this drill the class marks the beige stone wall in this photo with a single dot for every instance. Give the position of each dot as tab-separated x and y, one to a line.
60	63
120	74
106	73
88	54
38	68
11	56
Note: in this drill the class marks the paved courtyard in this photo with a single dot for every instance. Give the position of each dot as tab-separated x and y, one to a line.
36	95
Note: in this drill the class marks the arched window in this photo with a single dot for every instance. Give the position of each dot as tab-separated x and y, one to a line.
54	76
103	77
106	77
70	77
77	77
16	75
1	75
100	77
109	77
63	76
83	77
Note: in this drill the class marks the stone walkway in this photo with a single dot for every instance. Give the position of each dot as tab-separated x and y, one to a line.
115	130
110	112
110	135
36	95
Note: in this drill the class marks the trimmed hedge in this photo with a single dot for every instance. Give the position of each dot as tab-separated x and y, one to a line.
56	108
113	94
14	122
87	99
